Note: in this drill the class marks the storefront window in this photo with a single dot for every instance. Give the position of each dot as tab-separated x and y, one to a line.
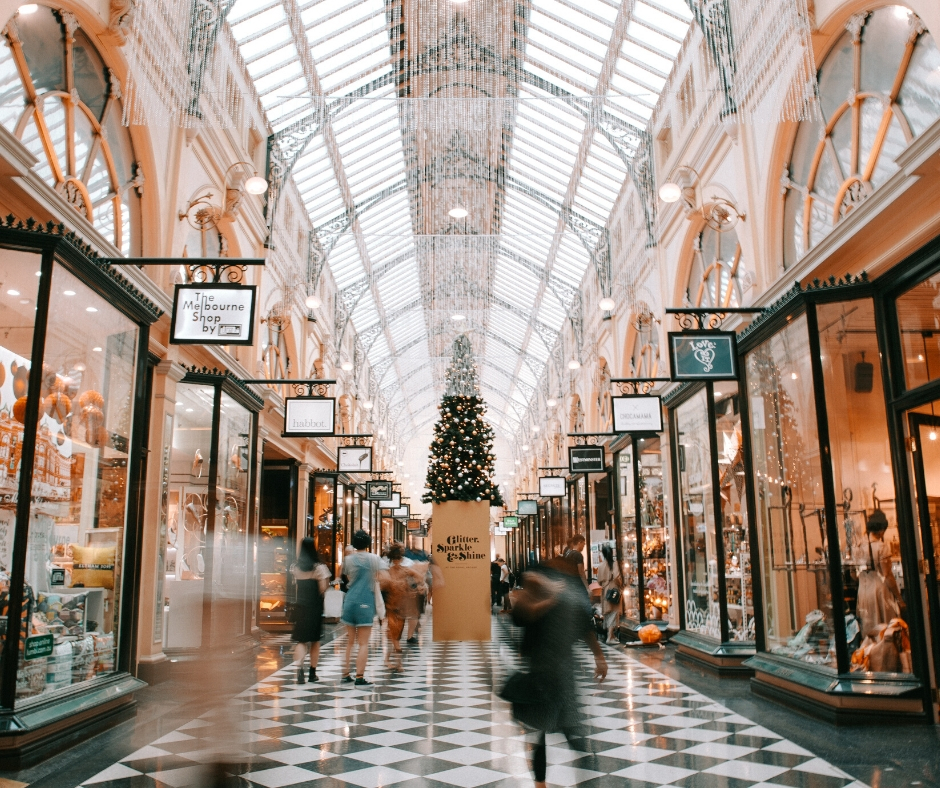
918	313
80	481
798	612
631	591
229	553
324	521
188	508
869	544
657	555
740	602
697	525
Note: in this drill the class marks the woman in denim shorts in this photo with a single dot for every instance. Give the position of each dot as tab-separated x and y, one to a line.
363	570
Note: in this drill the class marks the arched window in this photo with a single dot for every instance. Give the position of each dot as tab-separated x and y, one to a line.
879	88
58	97
644	356
716	273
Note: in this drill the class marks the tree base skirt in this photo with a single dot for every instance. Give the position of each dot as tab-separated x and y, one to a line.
460	544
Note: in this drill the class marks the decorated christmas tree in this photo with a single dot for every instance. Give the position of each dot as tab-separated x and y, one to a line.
461	466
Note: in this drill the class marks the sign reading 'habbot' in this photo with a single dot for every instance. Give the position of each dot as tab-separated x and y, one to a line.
213	314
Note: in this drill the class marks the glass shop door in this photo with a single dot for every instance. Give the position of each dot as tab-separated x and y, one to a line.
925	432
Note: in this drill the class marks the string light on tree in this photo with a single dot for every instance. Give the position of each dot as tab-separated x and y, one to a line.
461	466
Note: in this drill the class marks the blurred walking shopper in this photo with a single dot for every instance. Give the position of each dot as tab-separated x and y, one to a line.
311	577
403	588
494	582
504	586
575	555
555	613
611	582
363	570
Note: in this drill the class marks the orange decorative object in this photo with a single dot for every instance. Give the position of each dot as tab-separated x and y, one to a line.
90	399
19	409
650	634
57	406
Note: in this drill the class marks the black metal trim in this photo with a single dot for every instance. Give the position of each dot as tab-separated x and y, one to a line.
827	476
717	513
138	452
82	260
231	384
11	645
757	589
677	511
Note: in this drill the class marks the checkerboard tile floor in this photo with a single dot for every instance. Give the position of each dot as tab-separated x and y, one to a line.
439	724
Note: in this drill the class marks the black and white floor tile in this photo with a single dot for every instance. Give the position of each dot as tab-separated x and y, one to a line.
439	724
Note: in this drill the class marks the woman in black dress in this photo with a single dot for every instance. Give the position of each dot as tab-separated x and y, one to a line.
311	577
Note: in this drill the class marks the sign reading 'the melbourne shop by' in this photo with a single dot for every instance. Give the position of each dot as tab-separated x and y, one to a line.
309	417
708	355
213	314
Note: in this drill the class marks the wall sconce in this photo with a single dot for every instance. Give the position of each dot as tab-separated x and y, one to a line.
685	184
235	185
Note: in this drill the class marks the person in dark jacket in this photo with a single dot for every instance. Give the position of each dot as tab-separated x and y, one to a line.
311	577
555	613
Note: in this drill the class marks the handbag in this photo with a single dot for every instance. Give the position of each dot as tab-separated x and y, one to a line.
613	595
533	703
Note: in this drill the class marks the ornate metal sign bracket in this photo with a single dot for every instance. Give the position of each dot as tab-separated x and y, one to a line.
302	388
589	438
202	270
710	318
356	439
637	385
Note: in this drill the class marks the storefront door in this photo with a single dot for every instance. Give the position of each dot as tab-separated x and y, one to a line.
925	432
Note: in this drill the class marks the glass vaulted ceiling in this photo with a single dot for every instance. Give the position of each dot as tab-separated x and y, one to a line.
486	104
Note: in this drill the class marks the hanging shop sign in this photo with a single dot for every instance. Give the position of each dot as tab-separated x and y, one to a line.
378	491
552	487
403	512
510	521
354	459
309	417
392	502
414	525
213	314
526	508
702	355
586	459
638	413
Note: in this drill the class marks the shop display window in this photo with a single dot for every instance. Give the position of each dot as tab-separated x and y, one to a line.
188	515
75	556
628	547
229	553
697	522
324	522
277	548
207	543
877	633
656	544
790	507
731	480
919	324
